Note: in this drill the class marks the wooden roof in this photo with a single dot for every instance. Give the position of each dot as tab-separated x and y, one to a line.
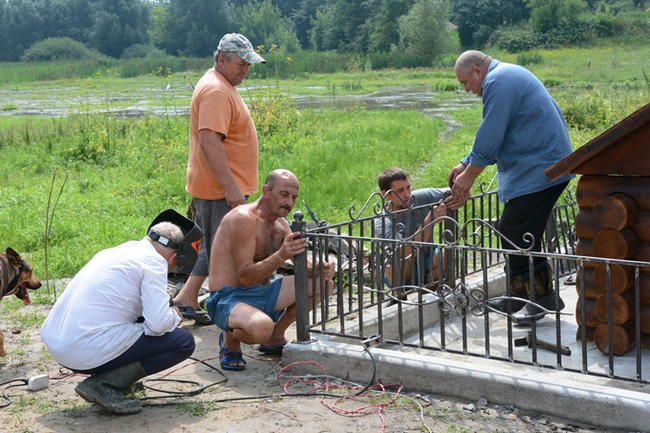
624	149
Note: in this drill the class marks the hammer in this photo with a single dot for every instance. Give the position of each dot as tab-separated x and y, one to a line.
528	341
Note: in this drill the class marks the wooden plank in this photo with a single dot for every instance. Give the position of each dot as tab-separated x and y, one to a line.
627	157
640	119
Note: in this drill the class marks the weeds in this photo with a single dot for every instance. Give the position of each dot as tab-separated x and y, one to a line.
527	58
196	409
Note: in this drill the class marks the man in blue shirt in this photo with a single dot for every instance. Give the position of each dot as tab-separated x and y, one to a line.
523	132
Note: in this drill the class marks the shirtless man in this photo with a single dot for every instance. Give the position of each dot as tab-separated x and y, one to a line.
252	242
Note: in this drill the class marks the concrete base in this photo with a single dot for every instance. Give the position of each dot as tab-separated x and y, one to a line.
593	401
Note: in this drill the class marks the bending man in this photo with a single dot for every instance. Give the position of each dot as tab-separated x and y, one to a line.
523	132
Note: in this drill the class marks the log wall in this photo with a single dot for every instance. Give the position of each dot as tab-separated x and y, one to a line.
613	221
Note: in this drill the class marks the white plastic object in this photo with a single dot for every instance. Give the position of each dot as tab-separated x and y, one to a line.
38	382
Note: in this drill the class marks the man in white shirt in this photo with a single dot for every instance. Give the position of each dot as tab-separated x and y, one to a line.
114	322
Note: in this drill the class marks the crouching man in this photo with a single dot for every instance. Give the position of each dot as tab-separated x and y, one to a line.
113	321
405	217
251	243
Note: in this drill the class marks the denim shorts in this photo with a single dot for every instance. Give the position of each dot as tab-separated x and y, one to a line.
262	297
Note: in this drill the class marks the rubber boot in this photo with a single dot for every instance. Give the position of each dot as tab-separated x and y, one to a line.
529	313
545	297
517	290
106	389
136	387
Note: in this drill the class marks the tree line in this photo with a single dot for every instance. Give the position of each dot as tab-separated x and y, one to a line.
420	28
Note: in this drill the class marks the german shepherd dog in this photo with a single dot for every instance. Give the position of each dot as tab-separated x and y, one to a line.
15	278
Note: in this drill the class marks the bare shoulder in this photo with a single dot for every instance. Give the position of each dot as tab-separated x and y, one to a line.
240	214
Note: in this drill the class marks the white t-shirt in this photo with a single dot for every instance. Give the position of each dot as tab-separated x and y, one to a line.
94	320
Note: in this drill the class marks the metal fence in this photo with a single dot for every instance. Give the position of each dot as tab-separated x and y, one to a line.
450	313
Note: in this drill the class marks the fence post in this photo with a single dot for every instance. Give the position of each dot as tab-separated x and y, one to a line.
449	259
300	282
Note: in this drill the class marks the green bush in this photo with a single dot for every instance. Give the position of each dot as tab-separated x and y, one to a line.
55	49
592	111
449	85
607	24
142	51
397	60
526	58
275	116
552	82
524	38
514	39
569	35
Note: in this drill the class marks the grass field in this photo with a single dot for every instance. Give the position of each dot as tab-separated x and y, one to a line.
94	178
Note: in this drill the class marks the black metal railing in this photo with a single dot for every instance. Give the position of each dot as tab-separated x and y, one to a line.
451	312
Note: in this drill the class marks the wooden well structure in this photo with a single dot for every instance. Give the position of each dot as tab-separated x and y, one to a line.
613	221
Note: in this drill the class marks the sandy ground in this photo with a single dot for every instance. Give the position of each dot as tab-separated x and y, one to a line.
249	401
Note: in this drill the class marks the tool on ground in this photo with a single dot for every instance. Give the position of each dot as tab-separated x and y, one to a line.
542	344
188	311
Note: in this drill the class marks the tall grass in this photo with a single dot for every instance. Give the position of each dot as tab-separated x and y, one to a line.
115	184
279	65
338	155
16	73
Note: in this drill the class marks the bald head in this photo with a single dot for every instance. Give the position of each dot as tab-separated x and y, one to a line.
278	174
472	58
471	69
279	194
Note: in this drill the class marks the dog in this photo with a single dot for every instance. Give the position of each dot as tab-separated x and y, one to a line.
16	276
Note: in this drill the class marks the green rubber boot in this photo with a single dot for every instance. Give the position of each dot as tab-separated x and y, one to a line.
544	297
518	289
106	389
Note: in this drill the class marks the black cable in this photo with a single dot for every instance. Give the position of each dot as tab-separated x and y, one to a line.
4	390
178	394
374	371
226	400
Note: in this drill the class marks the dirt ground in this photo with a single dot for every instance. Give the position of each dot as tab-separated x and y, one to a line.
250	401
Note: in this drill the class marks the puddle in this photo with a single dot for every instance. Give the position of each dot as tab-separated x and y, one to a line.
419	98
175	101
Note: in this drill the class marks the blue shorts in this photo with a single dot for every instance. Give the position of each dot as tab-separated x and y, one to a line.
264	298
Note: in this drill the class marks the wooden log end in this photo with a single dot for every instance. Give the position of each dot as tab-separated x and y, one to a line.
622	338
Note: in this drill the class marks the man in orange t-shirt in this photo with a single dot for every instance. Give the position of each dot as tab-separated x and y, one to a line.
223	154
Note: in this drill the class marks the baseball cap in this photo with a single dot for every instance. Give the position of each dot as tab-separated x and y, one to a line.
238	44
